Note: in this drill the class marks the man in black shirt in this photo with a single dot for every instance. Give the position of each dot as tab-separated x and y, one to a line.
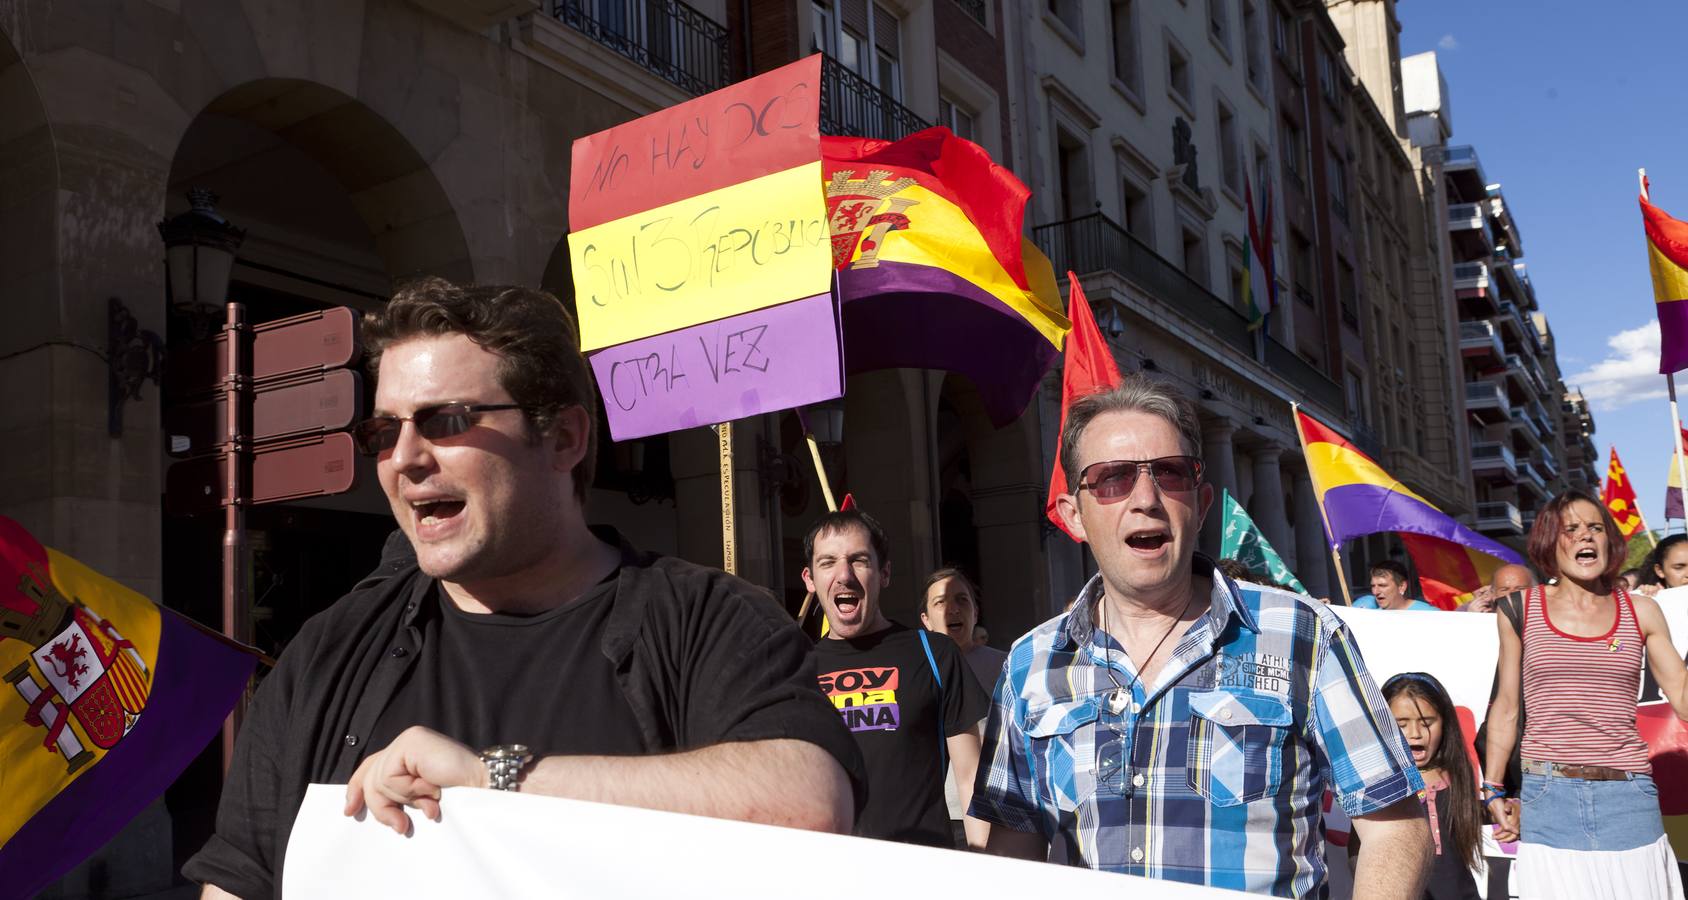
907	698
500	621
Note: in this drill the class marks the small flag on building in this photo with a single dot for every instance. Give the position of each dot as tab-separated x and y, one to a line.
1261	283
1619	496
1089	367
106	699
1244	543
1667	257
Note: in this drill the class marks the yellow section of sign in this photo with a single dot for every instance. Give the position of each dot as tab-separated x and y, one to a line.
750	246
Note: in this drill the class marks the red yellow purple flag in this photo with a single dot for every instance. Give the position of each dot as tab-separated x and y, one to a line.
933	270
1667	257
1619	496
106	699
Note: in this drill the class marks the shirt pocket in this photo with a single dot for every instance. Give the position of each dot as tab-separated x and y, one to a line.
1236	745
1063	738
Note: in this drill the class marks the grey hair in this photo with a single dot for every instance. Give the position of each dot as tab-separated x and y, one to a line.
1136	392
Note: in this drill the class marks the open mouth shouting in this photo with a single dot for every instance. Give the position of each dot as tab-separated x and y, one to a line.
1148	542
435	515
1420	752
848	604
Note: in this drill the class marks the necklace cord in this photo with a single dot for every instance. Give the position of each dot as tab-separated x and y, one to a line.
1107	652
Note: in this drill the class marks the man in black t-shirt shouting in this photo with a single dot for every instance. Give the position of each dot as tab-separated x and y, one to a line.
907	698
504	644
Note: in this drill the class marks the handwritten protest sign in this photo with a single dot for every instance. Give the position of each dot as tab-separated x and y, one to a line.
705	210
775	358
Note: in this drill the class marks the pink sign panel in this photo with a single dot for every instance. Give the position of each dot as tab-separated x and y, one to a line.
761	361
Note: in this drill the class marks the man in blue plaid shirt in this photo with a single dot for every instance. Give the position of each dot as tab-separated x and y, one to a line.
1175	724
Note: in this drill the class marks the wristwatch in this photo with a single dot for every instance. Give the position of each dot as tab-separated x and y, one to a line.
504	765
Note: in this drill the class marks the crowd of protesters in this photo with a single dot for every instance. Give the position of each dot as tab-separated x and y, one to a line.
1181	719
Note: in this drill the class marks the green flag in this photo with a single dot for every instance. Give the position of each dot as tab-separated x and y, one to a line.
1244	543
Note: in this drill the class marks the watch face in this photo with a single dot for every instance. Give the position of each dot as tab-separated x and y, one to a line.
506	751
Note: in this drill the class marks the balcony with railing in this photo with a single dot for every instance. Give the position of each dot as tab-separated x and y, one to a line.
1529	478
1465	171
1469	231
1480	342
1494	460
1522	421
1474	286
1094	243
852	107
1499	517
1505	230
1486	401
667	37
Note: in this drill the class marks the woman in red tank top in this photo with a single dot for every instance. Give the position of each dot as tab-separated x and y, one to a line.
1588	812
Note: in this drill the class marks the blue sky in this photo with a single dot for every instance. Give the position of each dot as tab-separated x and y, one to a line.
1563	101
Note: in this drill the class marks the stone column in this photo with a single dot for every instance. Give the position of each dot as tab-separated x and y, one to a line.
1268	500
1311	551
1219	452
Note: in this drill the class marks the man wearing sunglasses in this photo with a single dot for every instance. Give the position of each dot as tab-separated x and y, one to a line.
1176	724
505	644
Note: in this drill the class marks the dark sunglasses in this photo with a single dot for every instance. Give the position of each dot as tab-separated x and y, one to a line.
380	433
1112	480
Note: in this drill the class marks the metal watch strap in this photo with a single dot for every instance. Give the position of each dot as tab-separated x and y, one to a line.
504	765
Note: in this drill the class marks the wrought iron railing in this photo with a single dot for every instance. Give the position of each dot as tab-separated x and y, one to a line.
671	39
850	106
1094	243
974	8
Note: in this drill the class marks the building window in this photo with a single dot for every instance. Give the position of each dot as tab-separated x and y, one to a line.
1219	24
1072	156
1128	66
1338	170
958	119
1330	78
1354	392
1345	290
1070	13
1284	37
1262	174
1254	40
1194	254
841	29
1294	149
1239	278
1178	75
1230	149
1136	204
1301	266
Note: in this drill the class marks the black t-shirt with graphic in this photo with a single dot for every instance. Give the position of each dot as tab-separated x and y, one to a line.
540	680
885	691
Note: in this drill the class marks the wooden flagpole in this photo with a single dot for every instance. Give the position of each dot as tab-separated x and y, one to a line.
729	550
1335	546
1670	382
826	491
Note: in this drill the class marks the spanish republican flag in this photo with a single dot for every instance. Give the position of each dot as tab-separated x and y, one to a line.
1619	497
933	270
1667	256
1359	498
106	699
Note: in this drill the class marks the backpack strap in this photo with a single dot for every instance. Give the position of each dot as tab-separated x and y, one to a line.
932	663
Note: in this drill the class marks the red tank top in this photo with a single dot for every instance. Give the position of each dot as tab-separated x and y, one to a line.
1579	692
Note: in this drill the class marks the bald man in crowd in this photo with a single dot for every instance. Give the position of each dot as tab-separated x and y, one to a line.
1508	579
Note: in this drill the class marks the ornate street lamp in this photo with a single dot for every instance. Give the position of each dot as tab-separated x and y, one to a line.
199	251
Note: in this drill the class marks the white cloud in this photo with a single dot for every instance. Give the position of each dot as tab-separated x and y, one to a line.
1448	42
1628	374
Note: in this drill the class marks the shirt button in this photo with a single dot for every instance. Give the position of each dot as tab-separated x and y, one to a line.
1136	854
1136	708
398	652
1225	714
1137	781
351	740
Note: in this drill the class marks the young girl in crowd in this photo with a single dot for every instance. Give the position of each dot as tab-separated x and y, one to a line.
1424	711
1668	563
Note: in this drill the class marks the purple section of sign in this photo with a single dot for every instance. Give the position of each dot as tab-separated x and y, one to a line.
761	361
870	717
196	681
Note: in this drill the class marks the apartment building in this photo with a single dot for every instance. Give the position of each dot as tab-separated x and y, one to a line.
1521	448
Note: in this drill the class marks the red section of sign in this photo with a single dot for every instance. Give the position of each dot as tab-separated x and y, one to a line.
765	124
306	404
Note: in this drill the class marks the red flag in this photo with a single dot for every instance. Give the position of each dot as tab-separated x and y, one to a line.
1089	368
1619	496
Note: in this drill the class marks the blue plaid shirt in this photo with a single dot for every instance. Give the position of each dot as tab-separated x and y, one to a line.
1215	773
